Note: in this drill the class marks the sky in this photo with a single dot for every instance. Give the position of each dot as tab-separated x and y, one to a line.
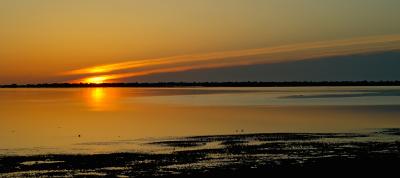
46	41
382	66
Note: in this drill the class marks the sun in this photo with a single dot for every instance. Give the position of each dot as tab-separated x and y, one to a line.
96	80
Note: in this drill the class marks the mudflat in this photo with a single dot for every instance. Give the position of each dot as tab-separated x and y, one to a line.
255	155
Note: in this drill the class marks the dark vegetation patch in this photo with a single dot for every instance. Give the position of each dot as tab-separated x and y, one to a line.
282	153
390	131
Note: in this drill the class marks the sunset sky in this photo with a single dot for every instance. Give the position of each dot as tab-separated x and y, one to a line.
124	40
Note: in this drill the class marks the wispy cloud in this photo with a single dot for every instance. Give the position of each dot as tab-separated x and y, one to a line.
276	54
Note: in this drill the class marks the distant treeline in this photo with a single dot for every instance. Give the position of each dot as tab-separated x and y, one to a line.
208	84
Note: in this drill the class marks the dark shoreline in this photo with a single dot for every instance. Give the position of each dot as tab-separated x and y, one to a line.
246	155
209	84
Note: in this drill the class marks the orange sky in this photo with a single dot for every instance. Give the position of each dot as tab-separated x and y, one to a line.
110	72
42	39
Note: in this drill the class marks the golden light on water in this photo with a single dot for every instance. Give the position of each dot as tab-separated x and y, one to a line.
97	95
96	99
102	99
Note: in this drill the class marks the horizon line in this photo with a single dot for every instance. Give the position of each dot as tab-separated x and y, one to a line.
210	84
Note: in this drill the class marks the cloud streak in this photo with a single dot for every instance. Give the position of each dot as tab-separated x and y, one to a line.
284	53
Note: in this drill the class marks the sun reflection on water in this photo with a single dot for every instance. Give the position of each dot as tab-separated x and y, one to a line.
102	99
98	95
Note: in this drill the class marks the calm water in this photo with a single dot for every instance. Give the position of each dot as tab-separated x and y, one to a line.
96	120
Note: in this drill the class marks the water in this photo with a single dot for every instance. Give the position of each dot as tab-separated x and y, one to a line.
98	120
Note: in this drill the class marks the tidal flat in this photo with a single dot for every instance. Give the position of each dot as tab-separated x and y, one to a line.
255	155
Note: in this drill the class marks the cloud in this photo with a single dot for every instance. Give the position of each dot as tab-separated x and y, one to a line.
293	52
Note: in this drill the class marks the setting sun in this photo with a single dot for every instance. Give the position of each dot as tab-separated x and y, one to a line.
96	80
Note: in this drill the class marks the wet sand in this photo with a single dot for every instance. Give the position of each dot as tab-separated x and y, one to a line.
250	155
